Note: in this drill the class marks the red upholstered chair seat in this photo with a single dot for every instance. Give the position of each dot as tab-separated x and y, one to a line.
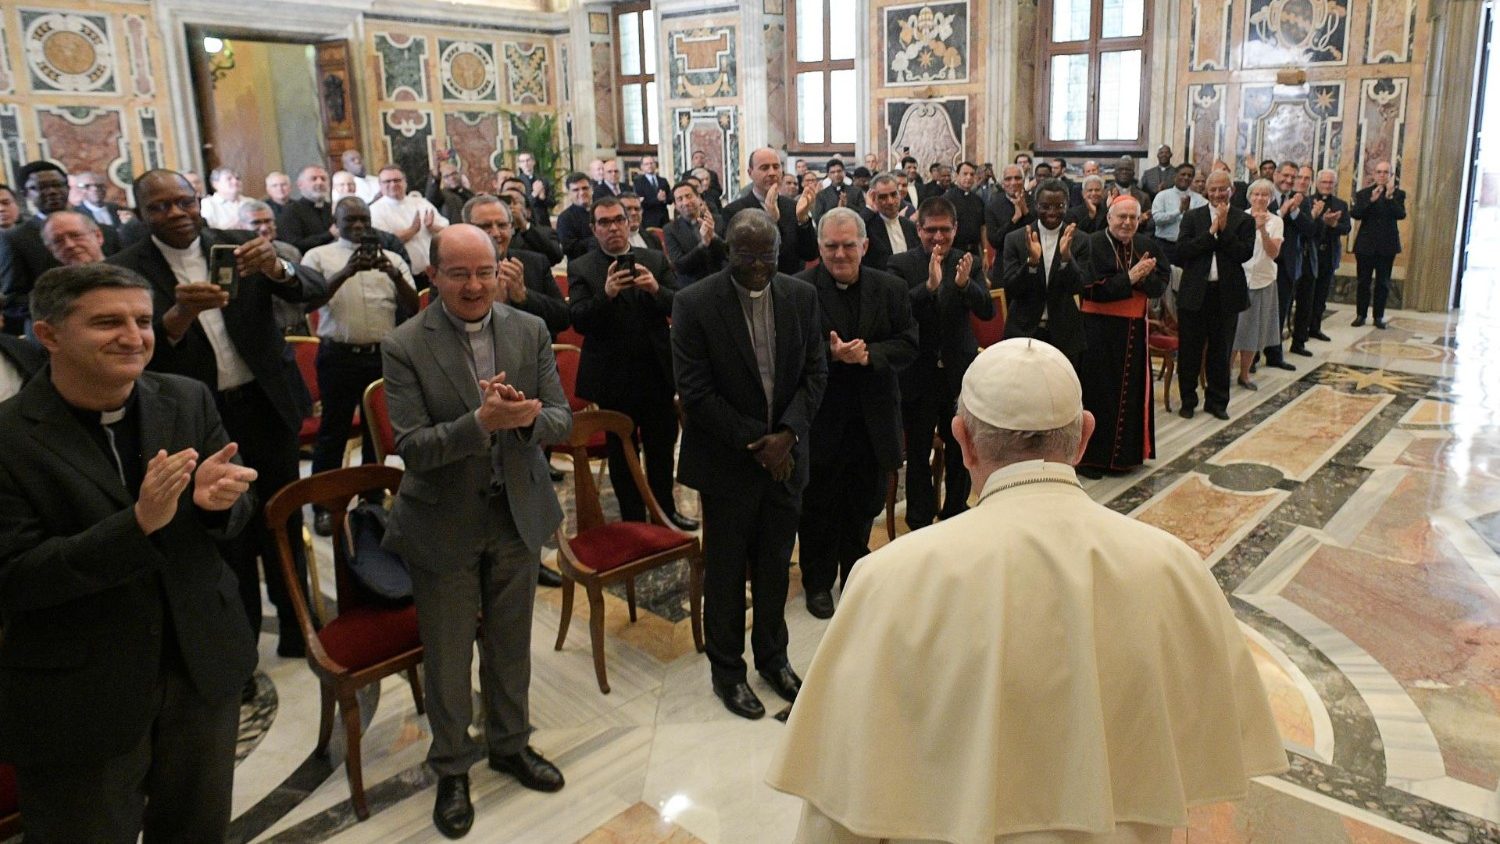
1162	342
10	800
364	636
614	544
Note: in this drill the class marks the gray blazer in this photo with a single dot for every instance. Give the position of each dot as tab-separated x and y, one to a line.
442	514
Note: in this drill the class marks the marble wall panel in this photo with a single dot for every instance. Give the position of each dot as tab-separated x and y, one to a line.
1208	34
12	142
401	66
715	131
474	136
468	71
138	44
1206	124
702	63
564	74
407	135
776	93
153	151
69	53
601	54
1390	30
1381	130
526	73
929	130
86	138
1292	123
925	43
7	75
1296	33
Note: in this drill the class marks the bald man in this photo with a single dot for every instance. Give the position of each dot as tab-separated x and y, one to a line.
1213	245
792	216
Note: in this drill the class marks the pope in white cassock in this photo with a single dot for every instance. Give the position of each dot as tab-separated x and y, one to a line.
1038	670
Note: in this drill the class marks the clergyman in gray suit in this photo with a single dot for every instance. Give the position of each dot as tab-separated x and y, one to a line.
474	397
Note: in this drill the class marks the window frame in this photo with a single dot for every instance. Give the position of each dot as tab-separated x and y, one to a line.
1091	46
643	79
826	67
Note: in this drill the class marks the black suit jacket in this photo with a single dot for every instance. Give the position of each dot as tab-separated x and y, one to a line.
653	209
1105	280
113	209
543	241
541	209
1328	240
305	225
943	329
799	243
997	219
23	259
878	256
86	598
691	259
26	356
1196	249
723	402
1030	294
1378	234
1078	215
1298	256
543	297
249	319
574	233
626	344
857	394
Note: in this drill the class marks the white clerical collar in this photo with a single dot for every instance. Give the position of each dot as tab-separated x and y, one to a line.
1043	227
170	251
110	417
470	327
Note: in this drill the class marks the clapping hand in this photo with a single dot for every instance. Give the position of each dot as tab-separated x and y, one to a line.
503	406
167	475
1221	218
513	279
1033	248
853	351
935	268
1065	243
1332	217
1317	209
1377	193
1144	267
805	202
219	482
965	266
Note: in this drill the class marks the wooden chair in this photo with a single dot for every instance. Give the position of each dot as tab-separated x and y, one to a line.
661	238
369	639
306	350
378	417
603	552
314	317
424	298
567	373
562	284
988	332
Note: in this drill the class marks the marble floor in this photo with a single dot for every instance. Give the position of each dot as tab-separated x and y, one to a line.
1350	510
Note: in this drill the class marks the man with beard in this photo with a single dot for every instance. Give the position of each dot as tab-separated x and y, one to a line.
792	216
1294	263
693	243
1010	209
856	434
1332	219
1215	243
1041	278
1125	270
307	222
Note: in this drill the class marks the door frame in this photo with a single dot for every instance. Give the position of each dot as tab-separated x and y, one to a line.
1472	189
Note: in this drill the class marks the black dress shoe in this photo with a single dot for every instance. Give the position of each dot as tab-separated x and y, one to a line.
453	814
1247	383
820	604
1318	335
322	523
555	474
1283	365
785	681
1219	414
1185	413
682	522
1380	323
290	643
739	699
530	770
548	577
1358	322
1301	350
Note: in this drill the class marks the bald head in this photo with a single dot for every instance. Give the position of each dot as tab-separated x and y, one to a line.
754	243
1218	187
765	171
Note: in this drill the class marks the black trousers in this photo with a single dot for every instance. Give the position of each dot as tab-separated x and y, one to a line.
845	491
920	418
1322	286
343	375
176	783
269	447
750	531
1286	292
1302	317
1208	329
655	417
1376	268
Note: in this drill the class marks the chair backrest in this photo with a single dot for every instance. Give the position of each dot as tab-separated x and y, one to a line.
990	331
570	337
562	284
331	490
306	349
314	317
424	298
377	420
567	373
587	424
661	238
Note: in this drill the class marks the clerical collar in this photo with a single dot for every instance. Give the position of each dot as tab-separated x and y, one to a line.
168	249
615	254
1043	226
105	417
470	327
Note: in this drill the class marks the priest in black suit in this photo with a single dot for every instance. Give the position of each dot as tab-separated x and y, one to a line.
1378	207
23	252
526	277
792	215
234	346
655	193
1333	224
307	221
888	231
1213	245
1008	210
1040	276
124	650
574	231
749	358
693	244
626	364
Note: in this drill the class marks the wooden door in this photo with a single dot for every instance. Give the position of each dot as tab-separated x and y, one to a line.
337	101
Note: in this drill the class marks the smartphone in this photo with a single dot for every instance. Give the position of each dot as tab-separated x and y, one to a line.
626	263
369	246
223	270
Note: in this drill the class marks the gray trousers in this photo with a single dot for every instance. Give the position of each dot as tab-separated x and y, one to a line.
495	588
176	784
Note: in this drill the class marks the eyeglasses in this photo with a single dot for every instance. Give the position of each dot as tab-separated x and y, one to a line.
606	222
464	276
162	206
938	229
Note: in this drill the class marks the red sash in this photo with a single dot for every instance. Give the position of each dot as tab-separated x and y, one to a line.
1132	308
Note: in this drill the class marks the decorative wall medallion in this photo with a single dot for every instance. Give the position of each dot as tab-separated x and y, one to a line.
526	73
928	130
1381	133
1290	33
1292	124
702	63
1205	124
12	143
926	42
715	132
402	61
1389	31
151	144
467	69
137	42
68	53
7	76
1208	42
84	138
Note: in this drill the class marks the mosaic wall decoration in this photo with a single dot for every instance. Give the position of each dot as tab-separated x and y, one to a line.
402	61
1294	33
474	136
702	63
929	130
12	143
602	56
1205	124
1208	38
1296	124
1381	132
68	53
715	132
926	42
776	116
83	138
1389	31
138	44
526	74
7	76
408	141
468	71
151	145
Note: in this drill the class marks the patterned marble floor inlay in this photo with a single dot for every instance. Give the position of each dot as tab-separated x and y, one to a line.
1350	510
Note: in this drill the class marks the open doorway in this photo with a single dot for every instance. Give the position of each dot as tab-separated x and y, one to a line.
1478	288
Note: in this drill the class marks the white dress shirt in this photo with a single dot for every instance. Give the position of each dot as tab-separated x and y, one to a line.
895	234
363	310
11	379
389	215
190	267
1213	264
367	188
1049	239
221	213
100	213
